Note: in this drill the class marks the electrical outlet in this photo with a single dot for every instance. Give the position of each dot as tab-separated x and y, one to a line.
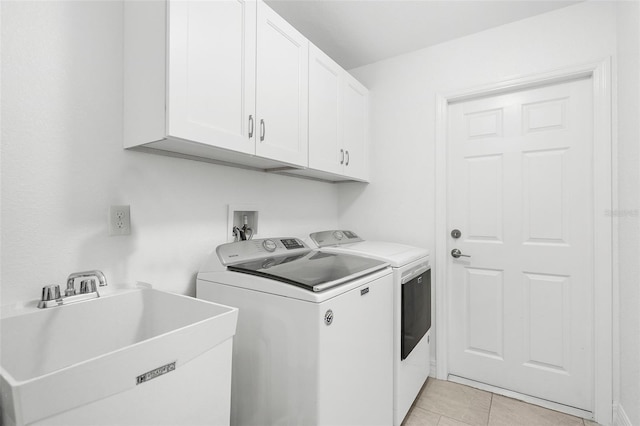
119	220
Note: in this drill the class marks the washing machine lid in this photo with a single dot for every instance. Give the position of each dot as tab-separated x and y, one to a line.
314	270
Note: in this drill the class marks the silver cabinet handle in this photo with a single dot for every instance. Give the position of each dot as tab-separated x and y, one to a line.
347	163
457	253
342	154
250	126
262	130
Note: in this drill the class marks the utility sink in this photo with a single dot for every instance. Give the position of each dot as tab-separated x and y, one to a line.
66	359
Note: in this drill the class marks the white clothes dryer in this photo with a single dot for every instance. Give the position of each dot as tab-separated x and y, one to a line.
412	297
314	338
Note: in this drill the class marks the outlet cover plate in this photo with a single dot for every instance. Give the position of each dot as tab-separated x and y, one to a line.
119	220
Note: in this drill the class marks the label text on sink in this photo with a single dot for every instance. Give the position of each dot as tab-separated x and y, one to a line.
156	372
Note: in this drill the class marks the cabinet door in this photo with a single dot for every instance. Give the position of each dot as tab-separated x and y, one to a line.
282	90
325	79
211	80
355	124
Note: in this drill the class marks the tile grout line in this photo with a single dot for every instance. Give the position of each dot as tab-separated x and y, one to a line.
490	408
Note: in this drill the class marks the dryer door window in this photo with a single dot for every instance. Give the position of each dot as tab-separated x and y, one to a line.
416	312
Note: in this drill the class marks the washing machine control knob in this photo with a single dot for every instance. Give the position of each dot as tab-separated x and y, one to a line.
269	245
338	235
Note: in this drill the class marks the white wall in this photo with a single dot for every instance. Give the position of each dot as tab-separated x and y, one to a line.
63	165
628	26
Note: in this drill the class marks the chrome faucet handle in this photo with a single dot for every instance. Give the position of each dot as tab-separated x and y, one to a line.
88	286
49	293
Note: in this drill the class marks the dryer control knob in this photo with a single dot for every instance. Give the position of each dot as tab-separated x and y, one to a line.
269	245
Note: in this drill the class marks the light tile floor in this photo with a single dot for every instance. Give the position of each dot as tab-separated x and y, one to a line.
445	403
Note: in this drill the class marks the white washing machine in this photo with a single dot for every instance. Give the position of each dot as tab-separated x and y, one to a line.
412	308
314	338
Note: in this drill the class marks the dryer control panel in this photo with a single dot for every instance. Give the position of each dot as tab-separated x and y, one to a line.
243	251
334	238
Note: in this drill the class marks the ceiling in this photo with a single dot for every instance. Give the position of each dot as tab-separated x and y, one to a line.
360	32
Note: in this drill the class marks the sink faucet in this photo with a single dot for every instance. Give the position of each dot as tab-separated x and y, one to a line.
88	290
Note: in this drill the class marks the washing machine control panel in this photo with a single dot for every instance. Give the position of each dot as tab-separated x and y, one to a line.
292	243
242	251
334	238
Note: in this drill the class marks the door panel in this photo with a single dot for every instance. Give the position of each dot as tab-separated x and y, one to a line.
519	167
324	112
282	89
212	72
484	207
484	290
355	104
547	321
545	208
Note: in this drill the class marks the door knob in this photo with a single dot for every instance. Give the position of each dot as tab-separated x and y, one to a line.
457	253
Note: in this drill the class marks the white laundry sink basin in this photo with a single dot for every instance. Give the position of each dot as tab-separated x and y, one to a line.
60	359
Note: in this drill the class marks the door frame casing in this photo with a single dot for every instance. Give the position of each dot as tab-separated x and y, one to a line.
603	204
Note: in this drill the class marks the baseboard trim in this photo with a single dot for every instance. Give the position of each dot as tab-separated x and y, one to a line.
526	398
620	418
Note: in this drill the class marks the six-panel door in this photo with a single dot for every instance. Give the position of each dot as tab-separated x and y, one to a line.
521	193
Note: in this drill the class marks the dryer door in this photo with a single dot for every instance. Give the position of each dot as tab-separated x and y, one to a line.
416	311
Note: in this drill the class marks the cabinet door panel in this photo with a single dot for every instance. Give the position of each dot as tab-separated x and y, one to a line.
212	72
355	124
282	89
325	78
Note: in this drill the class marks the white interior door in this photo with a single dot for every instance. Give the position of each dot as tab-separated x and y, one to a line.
521	193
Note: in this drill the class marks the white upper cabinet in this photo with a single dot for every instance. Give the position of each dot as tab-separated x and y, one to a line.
228	81
338	119
325	144
354	113
212	59
282	89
